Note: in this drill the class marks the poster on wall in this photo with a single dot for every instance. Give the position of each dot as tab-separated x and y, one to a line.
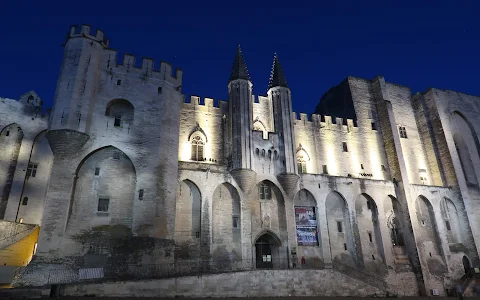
305	216
307	236
306	225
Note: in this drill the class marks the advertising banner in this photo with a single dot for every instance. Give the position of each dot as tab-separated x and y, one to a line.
306	225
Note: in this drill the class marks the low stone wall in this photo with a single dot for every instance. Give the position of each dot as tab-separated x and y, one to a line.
327	282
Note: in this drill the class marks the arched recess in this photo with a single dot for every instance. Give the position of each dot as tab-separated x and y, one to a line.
302	160
121	110
467	146
428	228
226	222
466	264
342	246
451	221
11	137
36	180
188	212
396	224
103	191
268	214
267	250
306	226
370	237
259	126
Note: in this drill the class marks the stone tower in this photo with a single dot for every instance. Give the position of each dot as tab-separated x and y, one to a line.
280	96
70	119
241	120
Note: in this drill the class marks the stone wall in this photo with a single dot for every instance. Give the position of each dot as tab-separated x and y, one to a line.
245	284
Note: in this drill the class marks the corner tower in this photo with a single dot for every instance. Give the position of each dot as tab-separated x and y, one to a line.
241	120
76	87
280	97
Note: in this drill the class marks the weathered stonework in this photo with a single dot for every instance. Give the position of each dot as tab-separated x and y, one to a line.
130	177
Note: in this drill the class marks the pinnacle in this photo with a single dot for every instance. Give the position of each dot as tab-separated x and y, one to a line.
277	78
239	69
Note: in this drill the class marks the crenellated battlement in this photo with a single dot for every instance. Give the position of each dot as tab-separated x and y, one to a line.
208	104
321	121
84	31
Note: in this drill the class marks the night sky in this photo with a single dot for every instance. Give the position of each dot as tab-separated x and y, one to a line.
419	44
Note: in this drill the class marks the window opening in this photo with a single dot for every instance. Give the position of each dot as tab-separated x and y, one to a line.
403	132
197	148
344	146
339	226
32	170
103	204
25	201
265	191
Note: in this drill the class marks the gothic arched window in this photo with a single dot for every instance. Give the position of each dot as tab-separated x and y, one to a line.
302	164
264	191
197	148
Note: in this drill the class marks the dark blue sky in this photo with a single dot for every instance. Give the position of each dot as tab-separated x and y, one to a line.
419	44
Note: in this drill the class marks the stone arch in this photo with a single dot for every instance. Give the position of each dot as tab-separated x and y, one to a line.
396	224
467	146
267	252
105	199
41	157
428	227
369	233
188	212
259	126
451	220
226	218
120	109
302	159
342	246
11	137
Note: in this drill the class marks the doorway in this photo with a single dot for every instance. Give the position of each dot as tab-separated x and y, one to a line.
263	253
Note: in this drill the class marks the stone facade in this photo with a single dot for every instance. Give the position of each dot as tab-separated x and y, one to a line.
135	175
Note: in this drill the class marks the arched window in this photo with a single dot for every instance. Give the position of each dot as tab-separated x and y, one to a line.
302	158
197	148
264	191
257	152
302	164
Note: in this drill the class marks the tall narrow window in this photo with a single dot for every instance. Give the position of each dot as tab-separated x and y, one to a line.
140	194
32	170
265	191
374	125
403	132
103	204
117	122
159	90
344	146
7	133
325	170
235	222
25	201
97	171
370	237
302	164
197	148
339	226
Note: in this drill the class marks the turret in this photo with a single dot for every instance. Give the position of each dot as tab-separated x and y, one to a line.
76	87
280	96
241	120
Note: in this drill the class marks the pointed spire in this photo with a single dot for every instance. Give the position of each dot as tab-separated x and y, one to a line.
239	69
277	78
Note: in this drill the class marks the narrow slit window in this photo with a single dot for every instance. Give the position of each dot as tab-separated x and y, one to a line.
344	146
374	125
117	122
97	171
344	246
325	169
403	132
370	237
235	222
159	90
7	133
25	201
119	82
447	224
339	226
140	194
